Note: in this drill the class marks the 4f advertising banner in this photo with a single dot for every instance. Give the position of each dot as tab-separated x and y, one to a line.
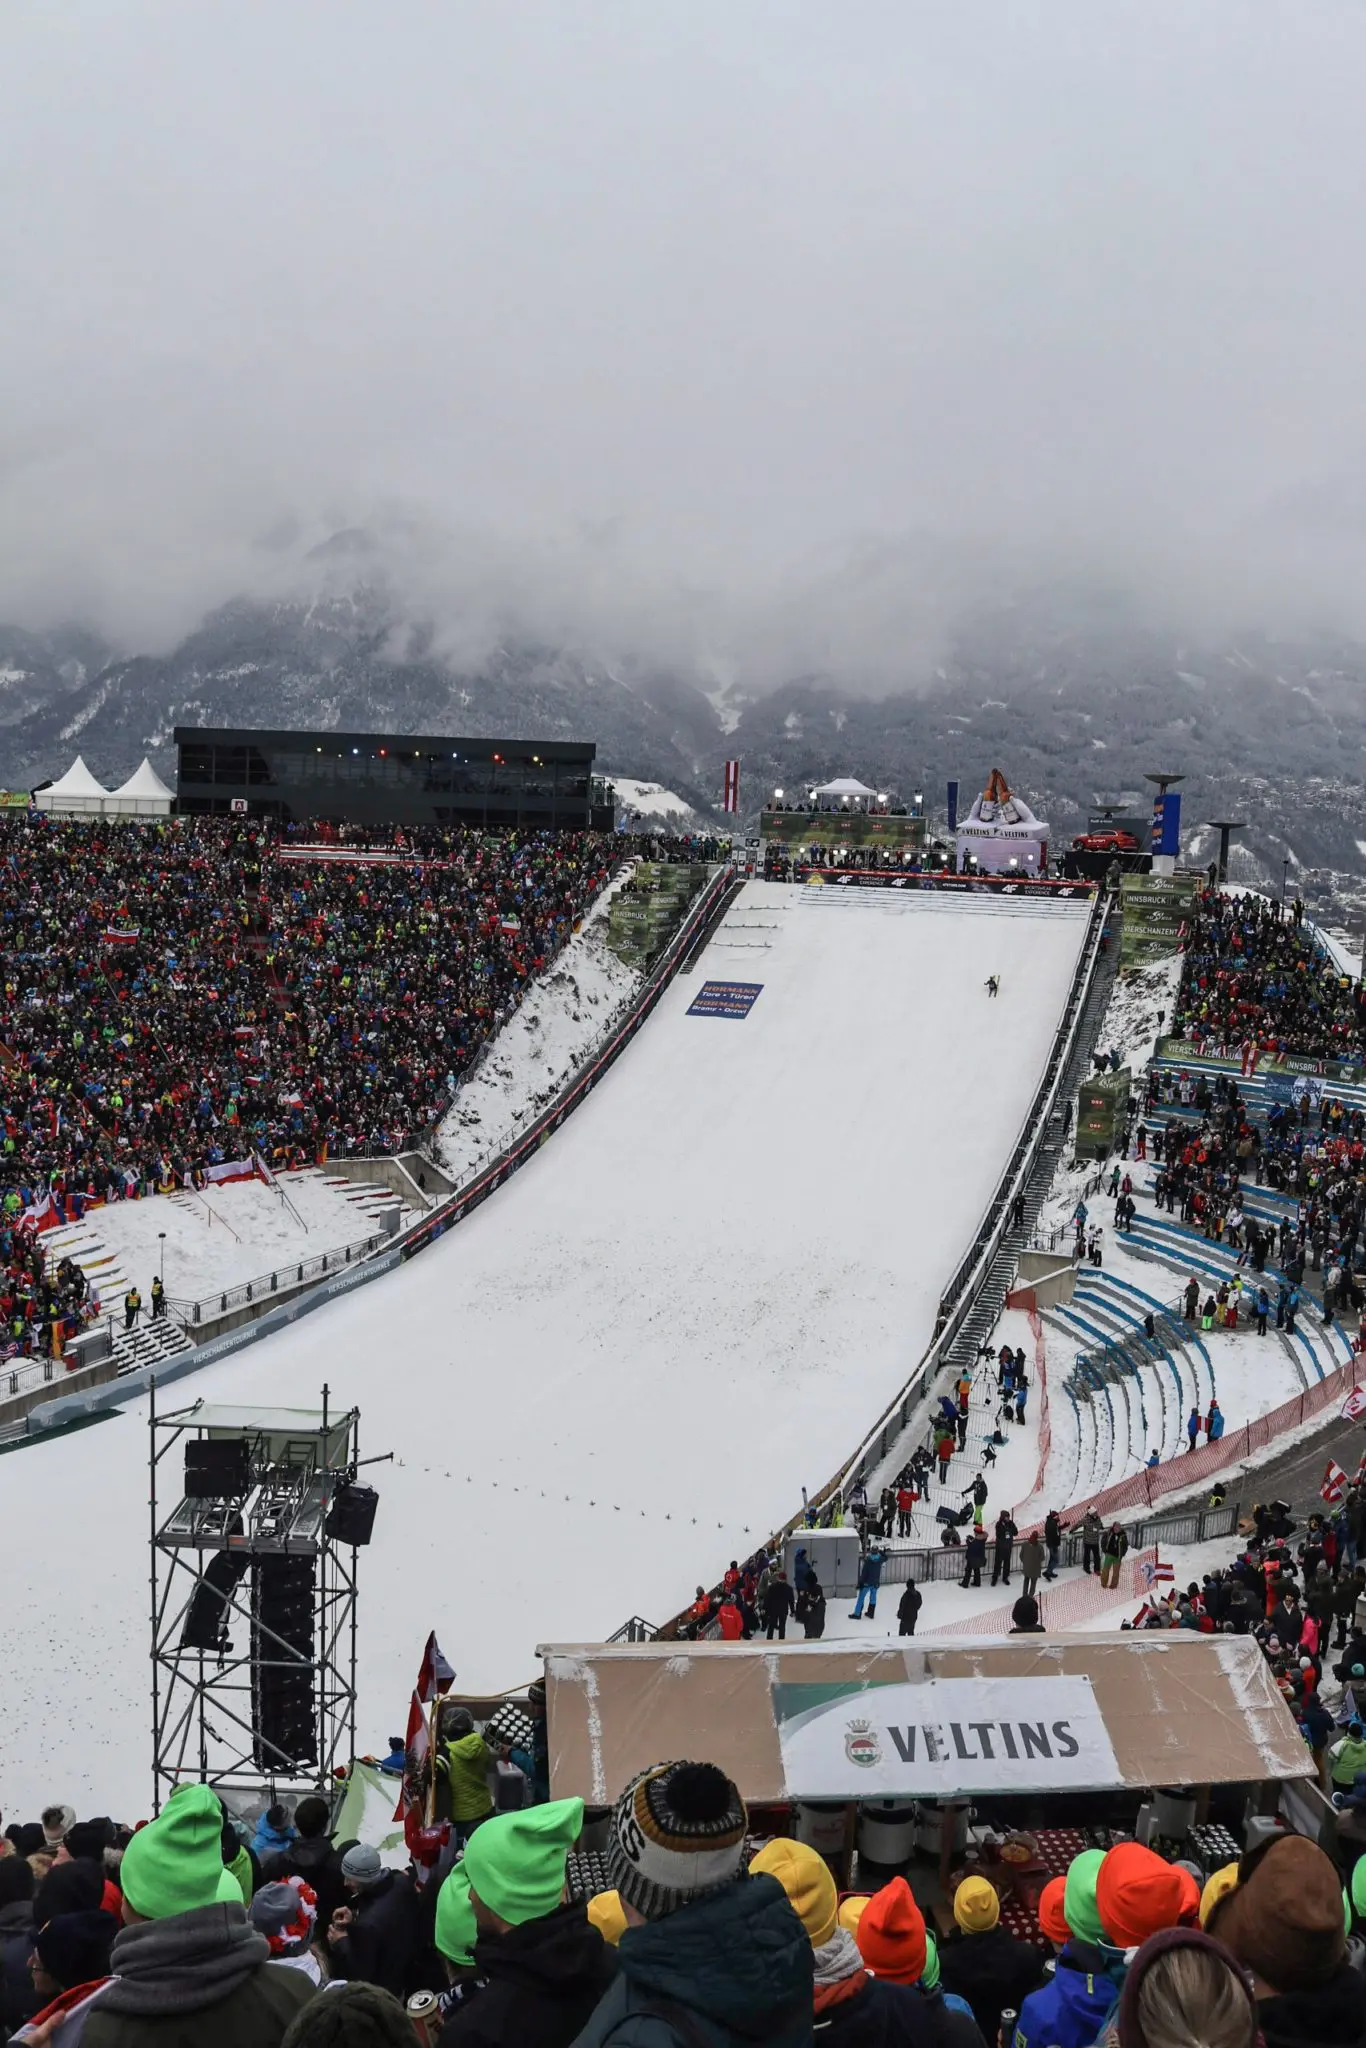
943	1738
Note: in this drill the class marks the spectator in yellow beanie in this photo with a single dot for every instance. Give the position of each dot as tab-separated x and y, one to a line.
984	1964
976	1907
605	1913
806	1879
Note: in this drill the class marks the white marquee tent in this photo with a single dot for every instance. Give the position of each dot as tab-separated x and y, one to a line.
75	795
78	795
143	795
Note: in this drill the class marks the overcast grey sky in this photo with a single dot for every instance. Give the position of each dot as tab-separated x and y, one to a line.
757	309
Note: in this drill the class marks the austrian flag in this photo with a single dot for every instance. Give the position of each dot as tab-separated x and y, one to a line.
1334	1482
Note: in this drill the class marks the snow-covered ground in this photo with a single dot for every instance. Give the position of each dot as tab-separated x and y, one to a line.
563	1018
620	1370
657	806
230	1233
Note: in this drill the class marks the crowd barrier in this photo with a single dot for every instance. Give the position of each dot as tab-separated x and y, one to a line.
1063	1606
1191	1468
1045	1420
807	872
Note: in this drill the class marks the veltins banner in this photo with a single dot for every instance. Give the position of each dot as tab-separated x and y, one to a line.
942	1737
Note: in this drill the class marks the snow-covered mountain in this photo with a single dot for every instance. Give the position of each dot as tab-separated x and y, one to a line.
1071	697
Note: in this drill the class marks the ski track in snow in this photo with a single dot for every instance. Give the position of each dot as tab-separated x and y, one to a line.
620	1370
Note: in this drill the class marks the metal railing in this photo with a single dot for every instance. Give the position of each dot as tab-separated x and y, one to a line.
191	1313
636	1630
972	1269
935	1564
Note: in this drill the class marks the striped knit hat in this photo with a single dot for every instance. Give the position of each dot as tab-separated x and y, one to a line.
678	1830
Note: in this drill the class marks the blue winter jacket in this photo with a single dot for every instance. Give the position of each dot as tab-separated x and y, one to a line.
269	1841
870	1571
1071	2009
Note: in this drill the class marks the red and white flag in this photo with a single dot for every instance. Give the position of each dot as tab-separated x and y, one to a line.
424	1840
436	1675
1164	1574
1355	1405
730	800
1334	1482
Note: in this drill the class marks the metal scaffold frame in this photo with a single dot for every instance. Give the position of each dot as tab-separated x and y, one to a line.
205	1701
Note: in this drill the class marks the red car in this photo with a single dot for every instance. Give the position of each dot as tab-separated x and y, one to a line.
1113	841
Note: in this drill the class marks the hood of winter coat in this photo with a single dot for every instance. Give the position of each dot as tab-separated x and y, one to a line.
311	1852
183	1963
561	1952
470	1749
738	1956
1333	2015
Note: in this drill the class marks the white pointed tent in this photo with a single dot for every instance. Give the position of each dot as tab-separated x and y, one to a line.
143	795
75	795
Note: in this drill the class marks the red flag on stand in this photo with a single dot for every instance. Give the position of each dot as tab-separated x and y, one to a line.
730	798
1334	1482
436	1675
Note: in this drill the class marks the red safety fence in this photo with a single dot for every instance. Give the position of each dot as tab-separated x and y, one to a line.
1063	1606
1045	1421
1177	1475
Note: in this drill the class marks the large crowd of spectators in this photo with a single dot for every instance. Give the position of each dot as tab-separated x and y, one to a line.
177	995
189	1929
1255	981
1311	1150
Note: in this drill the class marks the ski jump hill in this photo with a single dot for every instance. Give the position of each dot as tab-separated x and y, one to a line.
618	1372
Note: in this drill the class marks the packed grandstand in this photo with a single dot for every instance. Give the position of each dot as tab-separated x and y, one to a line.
183	991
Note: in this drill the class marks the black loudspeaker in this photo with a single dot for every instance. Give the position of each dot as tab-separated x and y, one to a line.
283	1680
217	1468
351	1517
206	1617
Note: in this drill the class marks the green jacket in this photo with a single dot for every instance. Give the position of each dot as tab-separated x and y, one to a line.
468	1762
1348	1757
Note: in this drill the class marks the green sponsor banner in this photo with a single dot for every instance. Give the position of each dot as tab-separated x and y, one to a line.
1100	1110
1155	907
1180	1052
841	828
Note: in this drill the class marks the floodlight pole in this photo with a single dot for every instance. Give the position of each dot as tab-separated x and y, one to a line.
1225	827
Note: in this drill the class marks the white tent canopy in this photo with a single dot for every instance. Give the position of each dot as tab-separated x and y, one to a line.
845	785
143	795
76	794
78	781
145	781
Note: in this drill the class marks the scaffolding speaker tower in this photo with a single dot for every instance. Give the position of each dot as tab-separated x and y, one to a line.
253	1594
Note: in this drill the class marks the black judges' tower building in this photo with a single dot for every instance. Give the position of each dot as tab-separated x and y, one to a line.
371	778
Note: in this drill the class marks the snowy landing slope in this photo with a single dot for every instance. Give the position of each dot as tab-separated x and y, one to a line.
621	1370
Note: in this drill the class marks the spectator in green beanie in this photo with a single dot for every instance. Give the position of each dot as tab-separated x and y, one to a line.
188	1964
544	1964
